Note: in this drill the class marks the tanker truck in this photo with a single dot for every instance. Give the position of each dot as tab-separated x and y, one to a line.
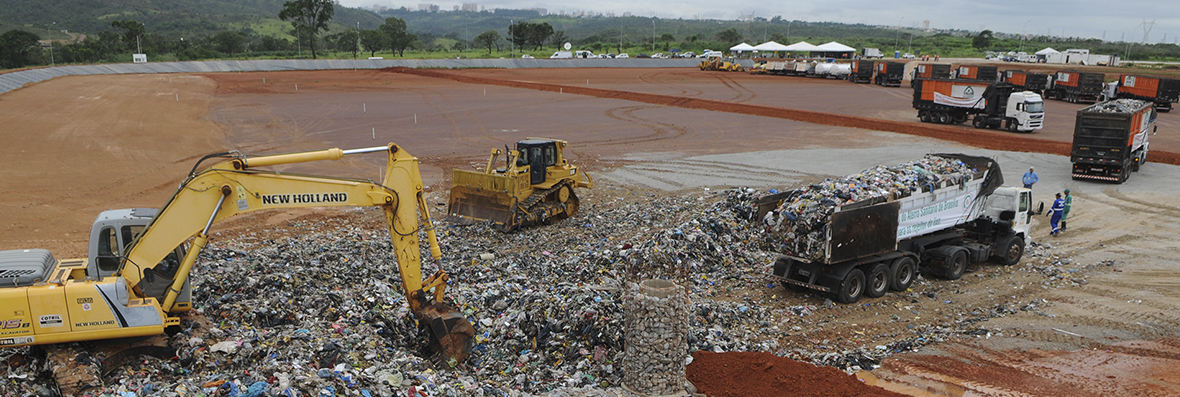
994	105
871	232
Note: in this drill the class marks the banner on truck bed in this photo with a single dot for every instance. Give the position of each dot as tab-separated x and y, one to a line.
969	102
941	215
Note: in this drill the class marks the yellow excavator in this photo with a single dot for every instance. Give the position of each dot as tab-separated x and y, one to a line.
140	288
535	185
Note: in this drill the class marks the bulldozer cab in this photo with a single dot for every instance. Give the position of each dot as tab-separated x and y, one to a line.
539	155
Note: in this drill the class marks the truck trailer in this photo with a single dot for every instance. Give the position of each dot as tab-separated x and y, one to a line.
1027	81
977	72
862	72
1077	87
867	233
930	71
1110	139
889	73
1160	91
994	105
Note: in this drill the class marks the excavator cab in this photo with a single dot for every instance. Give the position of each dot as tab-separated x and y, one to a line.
536	186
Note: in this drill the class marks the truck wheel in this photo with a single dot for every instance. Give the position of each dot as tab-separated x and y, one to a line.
1012	251
901	273
956	265
852	287
942	117
1011	125
979	122
878	280
924	115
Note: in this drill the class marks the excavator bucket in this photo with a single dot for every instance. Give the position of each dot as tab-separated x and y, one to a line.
451	336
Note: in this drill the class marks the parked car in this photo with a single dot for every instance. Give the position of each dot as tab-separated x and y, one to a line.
562	55
526	56
907	56
642	55
622	56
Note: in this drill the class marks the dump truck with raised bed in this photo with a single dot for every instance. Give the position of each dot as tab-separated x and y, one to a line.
135	281
1162	92
874	231
1110	139
930	71
1077	87
535	186
993	105
977	72
862	72
889	73
1026	81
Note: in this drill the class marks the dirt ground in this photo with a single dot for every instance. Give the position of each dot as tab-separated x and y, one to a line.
1103	323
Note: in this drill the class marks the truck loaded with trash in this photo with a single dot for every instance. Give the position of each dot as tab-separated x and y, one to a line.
1110	139
874	231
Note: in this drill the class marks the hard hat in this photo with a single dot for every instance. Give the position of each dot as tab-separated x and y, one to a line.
1067	190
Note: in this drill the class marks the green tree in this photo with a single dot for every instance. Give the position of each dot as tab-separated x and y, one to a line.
559	38
16	46
229	42
399	38
983	40
488	39
347	41
132	32
540	33
518	33
374	40
729	36
308	17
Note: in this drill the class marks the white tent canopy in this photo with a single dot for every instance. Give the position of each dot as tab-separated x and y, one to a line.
802	46
743	47
835	47
771	46
1047	51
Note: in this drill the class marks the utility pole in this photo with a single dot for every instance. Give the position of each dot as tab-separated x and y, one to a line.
653	34
511	42
49	37
898	35
358	39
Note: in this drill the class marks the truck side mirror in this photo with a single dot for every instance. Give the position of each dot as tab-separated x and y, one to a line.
1154	128
1041	208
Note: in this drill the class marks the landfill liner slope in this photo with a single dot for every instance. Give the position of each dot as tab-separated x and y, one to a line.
744	374
985	140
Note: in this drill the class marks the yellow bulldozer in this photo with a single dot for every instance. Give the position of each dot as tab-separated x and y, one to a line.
535	185
729	64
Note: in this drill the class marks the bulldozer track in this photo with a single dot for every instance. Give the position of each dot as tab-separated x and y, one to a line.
651	78
661	130
742	94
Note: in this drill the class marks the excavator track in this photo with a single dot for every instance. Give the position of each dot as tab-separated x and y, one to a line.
541	206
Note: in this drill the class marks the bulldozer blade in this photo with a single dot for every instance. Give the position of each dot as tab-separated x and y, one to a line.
450	335
479	205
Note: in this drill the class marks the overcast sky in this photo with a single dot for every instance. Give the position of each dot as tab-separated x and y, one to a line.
1112	19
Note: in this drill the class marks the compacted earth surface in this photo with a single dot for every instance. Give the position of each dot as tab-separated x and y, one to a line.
308	299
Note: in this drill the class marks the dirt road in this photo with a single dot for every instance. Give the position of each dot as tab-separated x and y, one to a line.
1102	295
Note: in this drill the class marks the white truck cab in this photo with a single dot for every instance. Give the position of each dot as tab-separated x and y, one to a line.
1028	109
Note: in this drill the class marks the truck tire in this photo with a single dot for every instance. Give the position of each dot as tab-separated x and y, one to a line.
979	122
924	115
1012	250
852	287
877	282
956	265
944	118
1011	125
902	272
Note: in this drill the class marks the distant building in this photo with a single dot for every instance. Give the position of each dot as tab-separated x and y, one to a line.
472	7
541	11
627	14
926	25
427	7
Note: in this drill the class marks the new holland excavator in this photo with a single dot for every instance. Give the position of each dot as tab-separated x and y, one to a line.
536	185
142	288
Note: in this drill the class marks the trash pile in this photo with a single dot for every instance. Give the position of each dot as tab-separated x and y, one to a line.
319	310
1121	105
800	222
